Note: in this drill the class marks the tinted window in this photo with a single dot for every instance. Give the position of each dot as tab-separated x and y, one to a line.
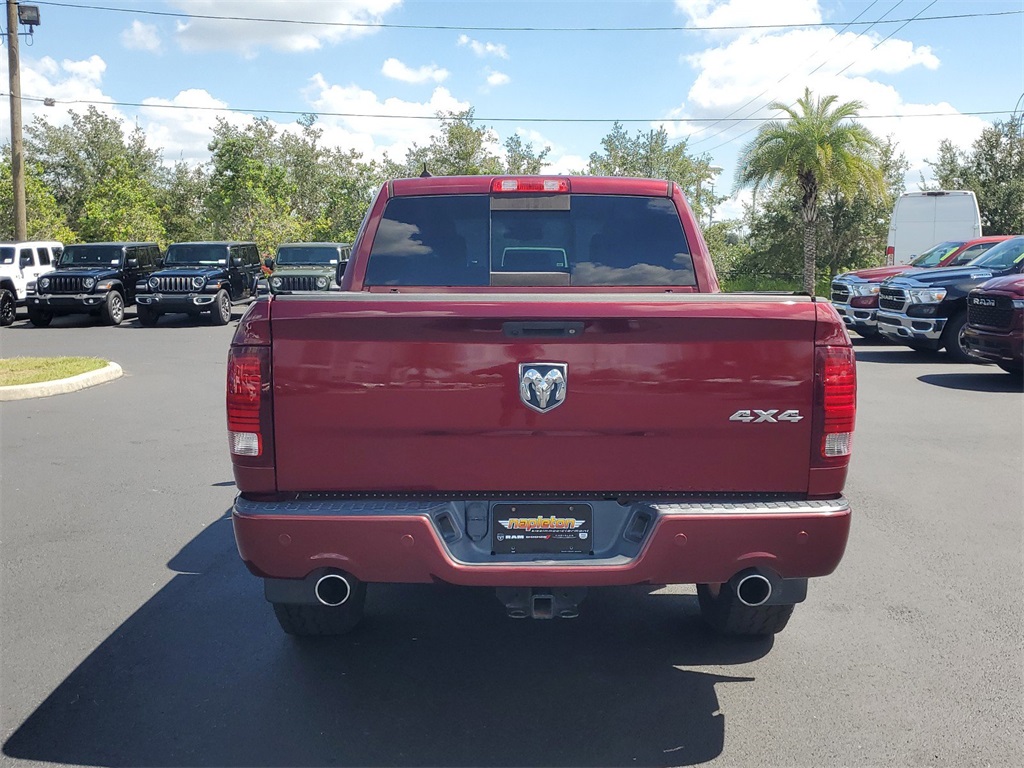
1003	255
6	255
599	240
44	255
970	254
307	254
92	255
195	254
935	254
252	255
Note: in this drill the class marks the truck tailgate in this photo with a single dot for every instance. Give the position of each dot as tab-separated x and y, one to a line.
412	392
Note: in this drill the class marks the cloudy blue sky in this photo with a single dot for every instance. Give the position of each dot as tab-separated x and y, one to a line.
556	72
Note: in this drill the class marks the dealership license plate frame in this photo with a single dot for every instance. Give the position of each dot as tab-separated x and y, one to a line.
545	535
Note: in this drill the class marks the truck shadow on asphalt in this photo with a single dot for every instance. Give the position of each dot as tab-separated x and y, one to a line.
985	380
200	675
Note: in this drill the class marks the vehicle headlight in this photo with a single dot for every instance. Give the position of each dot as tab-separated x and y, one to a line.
44	283
321	282
276	282
88	283
926	295
154	283
865	289
198	282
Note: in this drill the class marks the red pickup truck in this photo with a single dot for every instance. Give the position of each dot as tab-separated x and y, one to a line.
534	384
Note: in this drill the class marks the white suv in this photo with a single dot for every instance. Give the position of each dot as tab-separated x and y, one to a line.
20	264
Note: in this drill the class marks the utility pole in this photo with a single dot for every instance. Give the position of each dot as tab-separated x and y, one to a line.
17	153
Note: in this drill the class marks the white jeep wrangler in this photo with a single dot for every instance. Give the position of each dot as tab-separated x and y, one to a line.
20	264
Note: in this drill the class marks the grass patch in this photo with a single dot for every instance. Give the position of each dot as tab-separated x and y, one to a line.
32	370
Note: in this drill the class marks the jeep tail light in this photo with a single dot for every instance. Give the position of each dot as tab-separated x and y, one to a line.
890	255
248	401
529	184
835	383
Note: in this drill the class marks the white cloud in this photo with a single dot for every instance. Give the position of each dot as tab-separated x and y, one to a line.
377	131
740	77
494	79
141	37
247	37
70	83
90	69
565	164
396	70
738	13
184	134
484	49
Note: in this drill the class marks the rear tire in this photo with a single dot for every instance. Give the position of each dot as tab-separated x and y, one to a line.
40	318
727	615
321	620
220	313
113	308
8	307
147	316
953	340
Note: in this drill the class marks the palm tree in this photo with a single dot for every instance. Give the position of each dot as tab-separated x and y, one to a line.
817	149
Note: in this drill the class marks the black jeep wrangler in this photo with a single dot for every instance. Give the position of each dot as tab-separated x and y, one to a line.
92	278
200	277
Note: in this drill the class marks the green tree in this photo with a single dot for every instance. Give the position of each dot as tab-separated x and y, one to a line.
76	157
182	204
522	158
462	148
818	149
121	207
994	170
250	195
46	220
650	154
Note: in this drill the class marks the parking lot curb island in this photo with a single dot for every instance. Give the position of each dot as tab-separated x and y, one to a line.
62	386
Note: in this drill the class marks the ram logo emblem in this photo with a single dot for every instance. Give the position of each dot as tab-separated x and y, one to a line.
542	386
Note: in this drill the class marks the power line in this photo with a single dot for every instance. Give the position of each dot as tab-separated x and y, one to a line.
467	28
753	99
734	138
299	112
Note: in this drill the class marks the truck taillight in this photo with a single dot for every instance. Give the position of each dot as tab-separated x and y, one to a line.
248	401
529	184
890	255
835	403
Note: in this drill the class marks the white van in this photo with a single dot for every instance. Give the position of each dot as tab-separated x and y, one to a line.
922	219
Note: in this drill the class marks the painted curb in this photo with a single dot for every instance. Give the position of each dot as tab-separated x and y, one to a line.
62	386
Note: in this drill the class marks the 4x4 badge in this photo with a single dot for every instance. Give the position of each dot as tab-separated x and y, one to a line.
542	386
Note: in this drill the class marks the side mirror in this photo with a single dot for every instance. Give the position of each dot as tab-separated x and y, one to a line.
133	263
339	272
236	261
159	261
268	263
25	261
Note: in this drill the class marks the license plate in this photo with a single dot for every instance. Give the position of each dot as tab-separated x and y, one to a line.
552	529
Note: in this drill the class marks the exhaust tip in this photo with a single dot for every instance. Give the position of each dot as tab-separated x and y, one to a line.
753	590
332	590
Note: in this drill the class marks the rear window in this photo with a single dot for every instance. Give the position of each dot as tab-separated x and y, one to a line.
594	240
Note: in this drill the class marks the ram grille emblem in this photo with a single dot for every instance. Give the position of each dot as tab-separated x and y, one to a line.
542	386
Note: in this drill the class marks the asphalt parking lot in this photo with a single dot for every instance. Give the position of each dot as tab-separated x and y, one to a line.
133	636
